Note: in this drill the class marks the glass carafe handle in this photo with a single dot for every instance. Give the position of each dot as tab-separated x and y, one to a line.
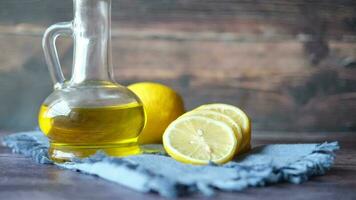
50	50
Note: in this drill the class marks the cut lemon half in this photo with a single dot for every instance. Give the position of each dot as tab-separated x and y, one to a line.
222	118
238	116
199	140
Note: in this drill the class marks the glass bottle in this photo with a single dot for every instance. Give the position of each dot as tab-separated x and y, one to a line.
89	112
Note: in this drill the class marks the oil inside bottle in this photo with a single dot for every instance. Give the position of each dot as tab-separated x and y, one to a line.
82	131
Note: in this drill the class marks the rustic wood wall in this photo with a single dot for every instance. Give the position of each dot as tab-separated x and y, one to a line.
290	64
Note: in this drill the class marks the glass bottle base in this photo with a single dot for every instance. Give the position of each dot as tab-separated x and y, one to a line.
66	152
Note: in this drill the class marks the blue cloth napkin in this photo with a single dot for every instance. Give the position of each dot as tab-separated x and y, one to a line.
293	163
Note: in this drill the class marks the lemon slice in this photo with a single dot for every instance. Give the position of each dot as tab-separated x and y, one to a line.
222	118
199	140
238	116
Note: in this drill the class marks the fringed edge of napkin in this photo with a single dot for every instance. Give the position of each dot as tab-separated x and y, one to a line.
29	146
316	163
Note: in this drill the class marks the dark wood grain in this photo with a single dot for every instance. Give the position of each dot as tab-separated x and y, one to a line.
291	65
278	89
295	16
21	178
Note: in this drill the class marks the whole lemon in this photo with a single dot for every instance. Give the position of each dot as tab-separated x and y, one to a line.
162	106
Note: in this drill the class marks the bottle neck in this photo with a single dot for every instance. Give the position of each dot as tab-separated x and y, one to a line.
92	41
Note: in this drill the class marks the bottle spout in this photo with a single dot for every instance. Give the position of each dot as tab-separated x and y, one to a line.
92	38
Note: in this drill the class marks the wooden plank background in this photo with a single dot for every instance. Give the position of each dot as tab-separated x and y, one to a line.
290	64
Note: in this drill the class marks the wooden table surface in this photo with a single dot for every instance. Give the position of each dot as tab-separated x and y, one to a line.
21	178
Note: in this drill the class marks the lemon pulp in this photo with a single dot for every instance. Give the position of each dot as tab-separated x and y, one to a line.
199	140
238	116
222	118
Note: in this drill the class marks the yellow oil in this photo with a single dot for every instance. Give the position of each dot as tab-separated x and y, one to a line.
82	131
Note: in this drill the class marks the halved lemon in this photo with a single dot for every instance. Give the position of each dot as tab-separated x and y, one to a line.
238	116
222	118
199	140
